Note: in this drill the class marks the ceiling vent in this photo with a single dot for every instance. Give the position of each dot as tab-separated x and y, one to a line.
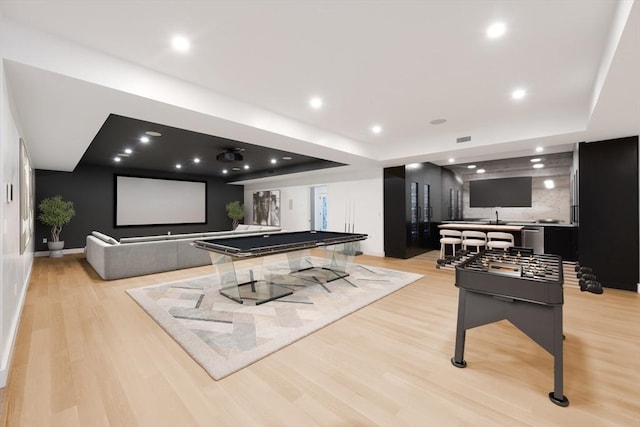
463	139
229	156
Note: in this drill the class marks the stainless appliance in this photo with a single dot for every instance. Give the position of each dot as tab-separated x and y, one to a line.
533	237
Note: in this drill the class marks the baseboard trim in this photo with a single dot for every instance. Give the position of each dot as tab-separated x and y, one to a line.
15	324
64	251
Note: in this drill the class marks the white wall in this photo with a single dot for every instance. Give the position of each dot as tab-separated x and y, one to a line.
15	268
354	198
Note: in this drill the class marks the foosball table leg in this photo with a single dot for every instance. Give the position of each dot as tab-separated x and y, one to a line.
457	364
557	396
458	358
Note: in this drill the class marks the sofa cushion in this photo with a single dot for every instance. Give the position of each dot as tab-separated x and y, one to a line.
143	239
104	238
269	228
185	236
213	234
253	227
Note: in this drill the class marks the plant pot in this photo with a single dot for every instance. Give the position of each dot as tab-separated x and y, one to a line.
55	249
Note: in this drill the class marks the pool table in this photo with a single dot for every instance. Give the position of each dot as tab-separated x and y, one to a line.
225	252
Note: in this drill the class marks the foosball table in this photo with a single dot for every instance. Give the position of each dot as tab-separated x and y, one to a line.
519	286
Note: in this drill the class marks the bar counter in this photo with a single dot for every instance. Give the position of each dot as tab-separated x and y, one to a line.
483	227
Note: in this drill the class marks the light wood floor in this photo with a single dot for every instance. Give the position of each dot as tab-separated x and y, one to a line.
87	355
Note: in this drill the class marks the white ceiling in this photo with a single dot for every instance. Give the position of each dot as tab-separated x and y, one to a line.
254	65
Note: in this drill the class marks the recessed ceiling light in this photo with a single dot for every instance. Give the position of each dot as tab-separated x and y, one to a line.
116	159
376	128
144	139
224	171
451	160
481	171
153	133
539	149
518	94
246	167
471	167
180	43
538	166
315	103
235	168
128	150
496	30
196	160
286	157
274	161
178	166
438	121
549	184
536	160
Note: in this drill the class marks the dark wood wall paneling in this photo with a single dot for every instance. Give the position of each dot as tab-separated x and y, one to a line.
398	239
562	241
91	189
395	233
608	231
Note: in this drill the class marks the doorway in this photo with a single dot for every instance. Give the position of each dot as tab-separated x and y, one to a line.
319	208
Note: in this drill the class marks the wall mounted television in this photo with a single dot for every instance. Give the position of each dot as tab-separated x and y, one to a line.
500	192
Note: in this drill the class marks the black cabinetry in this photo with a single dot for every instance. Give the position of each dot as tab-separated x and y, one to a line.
451	196
412	203
561	241
608	231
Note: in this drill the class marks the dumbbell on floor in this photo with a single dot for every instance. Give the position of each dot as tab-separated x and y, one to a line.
584	270
592	286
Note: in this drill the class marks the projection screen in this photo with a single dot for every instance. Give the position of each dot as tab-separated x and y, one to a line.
155	201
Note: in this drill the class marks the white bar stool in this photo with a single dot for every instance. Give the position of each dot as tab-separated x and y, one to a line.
449	237
474	238
498	240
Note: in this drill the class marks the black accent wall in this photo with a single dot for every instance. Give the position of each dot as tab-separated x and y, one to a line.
608	231
91	189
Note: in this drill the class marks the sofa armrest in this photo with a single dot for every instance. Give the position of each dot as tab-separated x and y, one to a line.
95	251
131	259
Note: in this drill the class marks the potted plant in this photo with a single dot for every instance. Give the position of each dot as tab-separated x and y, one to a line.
55	212
235	211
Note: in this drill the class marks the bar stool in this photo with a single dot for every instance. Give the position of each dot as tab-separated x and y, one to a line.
474	238
499	240
449	237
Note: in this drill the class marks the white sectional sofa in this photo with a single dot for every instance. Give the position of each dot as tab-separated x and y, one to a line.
137	256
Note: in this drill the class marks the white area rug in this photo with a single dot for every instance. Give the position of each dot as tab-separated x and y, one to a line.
224	336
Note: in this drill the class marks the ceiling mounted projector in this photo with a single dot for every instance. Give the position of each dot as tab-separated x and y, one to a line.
229	156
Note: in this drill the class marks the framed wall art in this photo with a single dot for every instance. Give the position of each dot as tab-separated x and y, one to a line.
26	198
266	208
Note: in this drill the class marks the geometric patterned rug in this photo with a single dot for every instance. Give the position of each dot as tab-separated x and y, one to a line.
224	336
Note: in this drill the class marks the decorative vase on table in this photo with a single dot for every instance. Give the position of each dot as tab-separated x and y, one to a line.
55	249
